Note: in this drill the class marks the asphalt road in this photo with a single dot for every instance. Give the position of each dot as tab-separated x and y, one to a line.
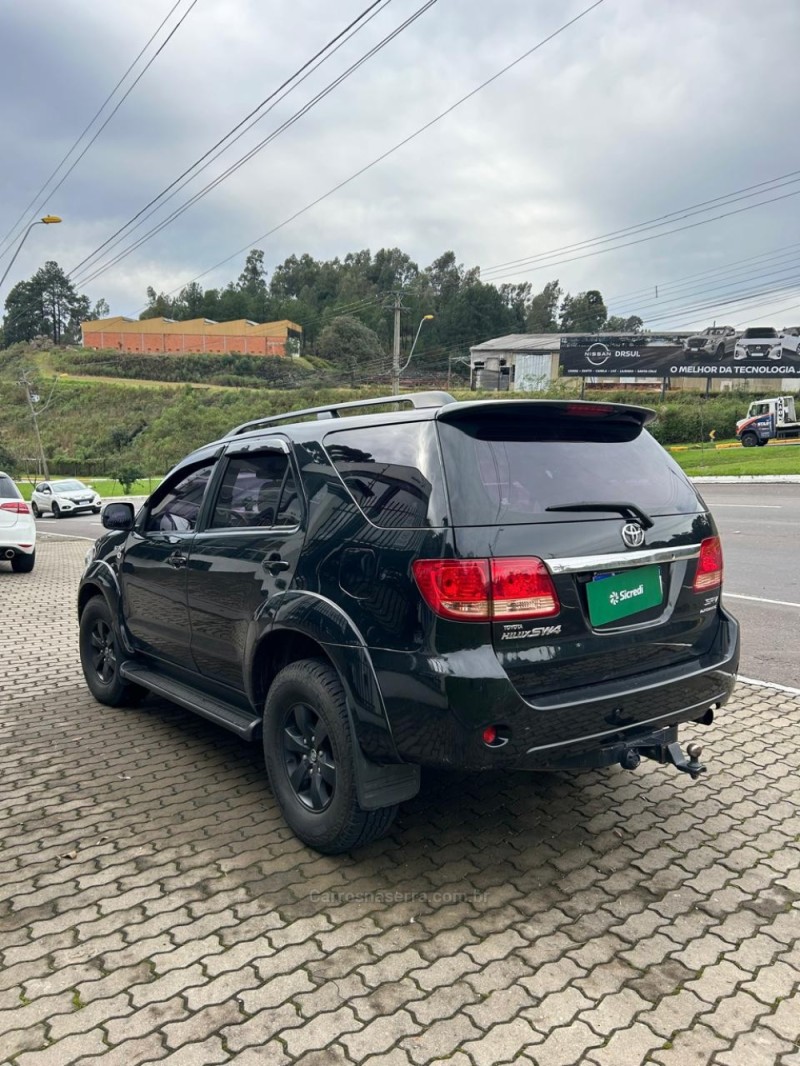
760	526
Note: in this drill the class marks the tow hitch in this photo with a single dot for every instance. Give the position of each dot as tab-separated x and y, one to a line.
688	763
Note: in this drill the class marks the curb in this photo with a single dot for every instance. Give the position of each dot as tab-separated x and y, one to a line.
755	479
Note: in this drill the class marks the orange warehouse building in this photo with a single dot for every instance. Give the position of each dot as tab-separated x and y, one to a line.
158	335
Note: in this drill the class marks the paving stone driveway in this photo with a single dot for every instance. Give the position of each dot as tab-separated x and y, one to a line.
155	908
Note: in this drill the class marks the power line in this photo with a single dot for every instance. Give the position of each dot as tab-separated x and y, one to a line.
784	250
127	93
345	35
663	220
396	147
656	305
253	151
654	236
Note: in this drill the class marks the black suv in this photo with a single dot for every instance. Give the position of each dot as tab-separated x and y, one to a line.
527	584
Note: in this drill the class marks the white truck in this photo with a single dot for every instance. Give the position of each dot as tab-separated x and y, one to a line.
765	420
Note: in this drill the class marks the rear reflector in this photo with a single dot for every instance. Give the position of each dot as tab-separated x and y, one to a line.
15	506
709	565
482	590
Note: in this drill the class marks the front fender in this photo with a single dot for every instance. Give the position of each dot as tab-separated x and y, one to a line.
101	579
324	622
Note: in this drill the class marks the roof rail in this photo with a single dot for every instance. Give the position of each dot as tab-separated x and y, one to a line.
417	400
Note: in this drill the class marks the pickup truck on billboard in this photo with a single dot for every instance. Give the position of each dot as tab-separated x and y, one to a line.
716	341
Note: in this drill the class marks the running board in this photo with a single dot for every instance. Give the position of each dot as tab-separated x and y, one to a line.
243	723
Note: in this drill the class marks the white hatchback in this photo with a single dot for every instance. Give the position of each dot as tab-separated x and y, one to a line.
17	528
63	498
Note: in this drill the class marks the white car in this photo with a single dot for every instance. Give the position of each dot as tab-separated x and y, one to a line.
760	342
63	498
17	528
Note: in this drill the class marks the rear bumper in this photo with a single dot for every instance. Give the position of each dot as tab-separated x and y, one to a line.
439	707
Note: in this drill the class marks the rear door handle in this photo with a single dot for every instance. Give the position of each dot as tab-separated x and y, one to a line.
177	560
275	564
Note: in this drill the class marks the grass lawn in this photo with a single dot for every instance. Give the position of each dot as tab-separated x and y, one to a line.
739	461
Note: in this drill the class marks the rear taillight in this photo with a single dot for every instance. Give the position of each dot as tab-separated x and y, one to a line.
15	506
482	590
455	588
709	565
522	588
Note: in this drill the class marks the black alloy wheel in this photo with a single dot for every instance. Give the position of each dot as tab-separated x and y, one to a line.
56	511
309	749
103	651
308	757
100	658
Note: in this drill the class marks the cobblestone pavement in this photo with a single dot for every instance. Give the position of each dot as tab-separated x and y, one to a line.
155	907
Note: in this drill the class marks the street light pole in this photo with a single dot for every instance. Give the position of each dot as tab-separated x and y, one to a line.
425	318
48	220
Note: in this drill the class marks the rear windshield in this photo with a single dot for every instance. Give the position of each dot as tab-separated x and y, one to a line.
8	490
512	473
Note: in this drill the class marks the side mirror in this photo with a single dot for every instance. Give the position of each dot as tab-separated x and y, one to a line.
118	516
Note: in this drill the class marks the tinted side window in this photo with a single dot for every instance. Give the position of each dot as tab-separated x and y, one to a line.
257	490
8	490
393	472
178	504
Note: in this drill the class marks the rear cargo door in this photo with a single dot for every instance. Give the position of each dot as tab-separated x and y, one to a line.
588	491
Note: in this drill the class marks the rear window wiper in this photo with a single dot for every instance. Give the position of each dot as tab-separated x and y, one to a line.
627	510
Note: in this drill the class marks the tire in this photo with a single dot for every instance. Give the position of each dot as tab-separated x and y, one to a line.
314	780
761	443
749	440
95	510
23	564
35	510
100	658
56	511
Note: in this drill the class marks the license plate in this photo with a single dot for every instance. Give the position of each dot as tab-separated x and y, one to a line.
614	596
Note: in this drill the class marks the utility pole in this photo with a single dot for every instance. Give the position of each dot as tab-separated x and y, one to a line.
397	308
32	401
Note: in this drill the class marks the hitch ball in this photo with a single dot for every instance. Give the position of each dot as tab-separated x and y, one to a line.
694	750
630	759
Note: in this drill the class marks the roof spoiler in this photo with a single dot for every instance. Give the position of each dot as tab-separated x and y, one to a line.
611	412
417	400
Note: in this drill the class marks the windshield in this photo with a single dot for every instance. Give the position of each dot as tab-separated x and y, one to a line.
760	331
69	486
514	473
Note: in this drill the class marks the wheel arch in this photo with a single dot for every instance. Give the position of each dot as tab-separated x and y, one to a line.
306	627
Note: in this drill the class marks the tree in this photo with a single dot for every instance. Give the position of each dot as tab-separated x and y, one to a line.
159	305
618	324
100	310
46	305
252	279
350	344
543	309
584	313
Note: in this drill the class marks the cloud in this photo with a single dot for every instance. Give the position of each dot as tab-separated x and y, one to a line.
639	109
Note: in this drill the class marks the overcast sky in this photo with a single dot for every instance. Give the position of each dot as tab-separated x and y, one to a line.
641	108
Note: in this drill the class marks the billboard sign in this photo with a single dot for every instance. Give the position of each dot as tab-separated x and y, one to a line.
659	356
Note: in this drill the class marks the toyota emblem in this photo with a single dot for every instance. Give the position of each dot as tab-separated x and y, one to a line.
633	535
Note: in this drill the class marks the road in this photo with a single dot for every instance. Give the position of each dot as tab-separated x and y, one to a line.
759	526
